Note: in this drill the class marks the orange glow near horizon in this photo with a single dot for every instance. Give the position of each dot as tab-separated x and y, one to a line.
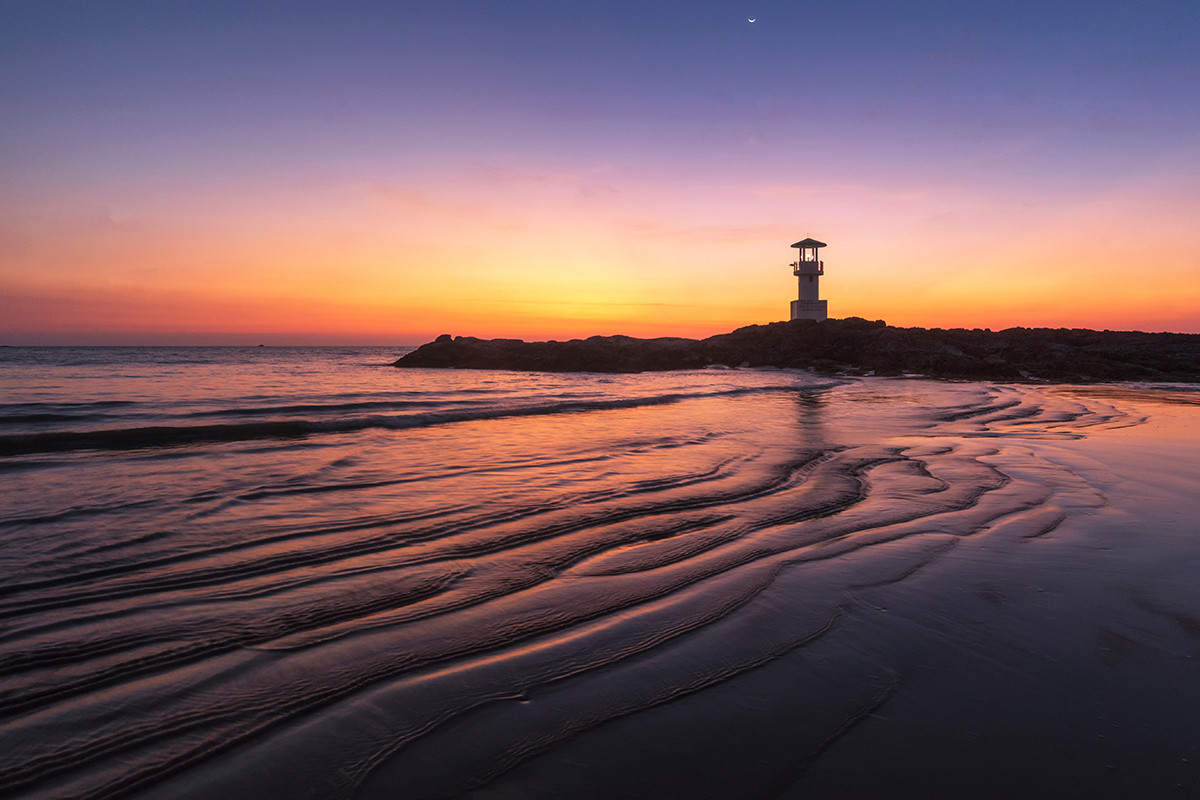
538	256
383	175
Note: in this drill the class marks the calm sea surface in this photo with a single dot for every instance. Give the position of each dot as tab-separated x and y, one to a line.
300	572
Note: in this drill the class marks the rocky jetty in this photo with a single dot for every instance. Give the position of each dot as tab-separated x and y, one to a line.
849	346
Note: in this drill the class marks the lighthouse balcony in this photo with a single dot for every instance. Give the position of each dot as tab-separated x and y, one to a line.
808	267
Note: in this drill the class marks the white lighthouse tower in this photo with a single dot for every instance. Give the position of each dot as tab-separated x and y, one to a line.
808	268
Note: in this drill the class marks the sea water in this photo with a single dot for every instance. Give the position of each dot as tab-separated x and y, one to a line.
248	572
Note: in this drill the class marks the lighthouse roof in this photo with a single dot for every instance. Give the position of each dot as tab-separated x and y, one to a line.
808	243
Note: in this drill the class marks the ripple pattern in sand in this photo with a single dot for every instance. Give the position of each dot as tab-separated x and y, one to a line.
333	630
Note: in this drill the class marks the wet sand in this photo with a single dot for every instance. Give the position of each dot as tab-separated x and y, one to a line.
1039	657
856	589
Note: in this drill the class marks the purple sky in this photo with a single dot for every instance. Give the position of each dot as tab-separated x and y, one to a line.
938	148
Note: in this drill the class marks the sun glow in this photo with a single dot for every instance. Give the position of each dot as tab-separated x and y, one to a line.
492	198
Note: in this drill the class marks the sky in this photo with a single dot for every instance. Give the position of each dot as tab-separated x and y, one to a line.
385	172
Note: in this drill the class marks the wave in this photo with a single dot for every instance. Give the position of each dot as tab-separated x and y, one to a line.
167	436
25	413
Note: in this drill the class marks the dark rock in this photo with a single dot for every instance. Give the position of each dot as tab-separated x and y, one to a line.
851	346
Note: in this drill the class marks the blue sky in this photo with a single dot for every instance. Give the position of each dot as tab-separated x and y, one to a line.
929	134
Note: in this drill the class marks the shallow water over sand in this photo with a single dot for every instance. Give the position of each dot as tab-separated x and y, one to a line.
385	583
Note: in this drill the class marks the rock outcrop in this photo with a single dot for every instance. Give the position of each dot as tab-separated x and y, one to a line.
849	346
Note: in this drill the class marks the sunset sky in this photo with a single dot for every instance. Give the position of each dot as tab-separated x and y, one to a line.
384	172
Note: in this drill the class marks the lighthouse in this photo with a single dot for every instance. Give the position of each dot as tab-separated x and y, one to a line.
808	269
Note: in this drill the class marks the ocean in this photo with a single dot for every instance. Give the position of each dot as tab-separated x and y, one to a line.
301	572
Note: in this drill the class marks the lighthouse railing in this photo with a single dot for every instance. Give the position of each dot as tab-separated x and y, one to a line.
808	267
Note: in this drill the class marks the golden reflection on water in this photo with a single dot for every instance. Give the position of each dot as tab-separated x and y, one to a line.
1172	414
1135	394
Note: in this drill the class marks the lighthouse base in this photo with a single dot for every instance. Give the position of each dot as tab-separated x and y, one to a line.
810	309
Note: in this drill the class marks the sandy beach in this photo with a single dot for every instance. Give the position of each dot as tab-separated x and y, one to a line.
1049	652
738	583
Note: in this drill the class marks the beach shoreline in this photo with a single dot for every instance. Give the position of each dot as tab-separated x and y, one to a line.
499	584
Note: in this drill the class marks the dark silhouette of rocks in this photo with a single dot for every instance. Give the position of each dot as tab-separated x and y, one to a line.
849	346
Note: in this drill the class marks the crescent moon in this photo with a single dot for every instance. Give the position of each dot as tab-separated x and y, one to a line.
751	20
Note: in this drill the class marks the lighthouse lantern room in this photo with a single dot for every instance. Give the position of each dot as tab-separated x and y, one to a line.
808	268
